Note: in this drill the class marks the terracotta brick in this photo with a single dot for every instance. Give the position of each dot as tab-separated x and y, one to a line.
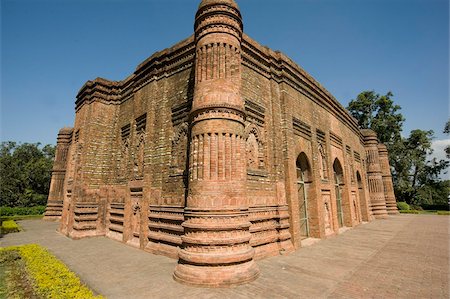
216	151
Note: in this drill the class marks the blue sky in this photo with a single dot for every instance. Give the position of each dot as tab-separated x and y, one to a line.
49	48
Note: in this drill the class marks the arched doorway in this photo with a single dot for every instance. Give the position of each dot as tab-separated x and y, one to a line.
303	181
338	186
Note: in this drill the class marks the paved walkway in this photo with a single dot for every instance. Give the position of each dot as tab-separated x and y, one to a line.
405	256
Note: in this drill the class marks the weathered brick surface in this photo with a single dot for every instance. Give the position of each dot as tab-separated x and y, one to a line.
391	204
219	147
54	207
374	174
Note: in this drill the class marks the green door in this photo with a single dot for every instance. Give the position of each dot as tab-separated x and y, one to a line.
302	203
337	187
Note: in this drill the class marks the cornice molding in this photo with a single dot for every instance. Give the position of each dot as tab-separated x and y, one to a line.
270	64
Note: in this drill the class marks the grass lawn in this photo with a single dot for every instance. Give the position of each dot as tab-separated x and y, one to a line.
425	212
14	280
30	271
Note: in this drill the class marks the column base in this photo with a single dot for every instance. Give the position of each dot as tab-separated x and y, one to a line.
216	276
379	211
391	208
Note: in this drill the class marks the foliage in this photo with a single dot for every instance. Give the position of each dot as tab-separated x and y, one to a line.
409	212
8	211
20	217
443	212
51	278
9	226
14	279
377	112
25	170
447	131
416	178
402	206
444	207
434	193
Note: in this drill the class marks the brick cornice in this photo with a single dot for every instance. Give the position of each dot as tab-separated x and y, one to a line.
161	64
269	63
99	89
276	65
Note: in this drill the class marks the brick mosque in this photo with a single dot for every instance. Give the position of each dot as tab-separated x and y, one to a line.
217	152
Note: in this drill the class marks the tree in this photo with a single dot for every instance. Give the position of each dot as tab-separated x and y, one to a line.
25	172
416	179
379	113
447	131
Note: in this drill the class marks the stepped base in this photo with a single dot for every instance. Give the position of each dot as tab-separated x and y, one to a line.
216	276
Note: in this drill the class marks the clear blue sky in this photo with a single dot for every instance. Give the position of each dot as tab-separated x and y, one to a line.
50	48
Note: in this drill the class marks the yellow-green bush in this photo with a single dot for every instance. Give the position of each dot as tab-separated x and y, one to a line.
409	211
403	206
52	279
9	226
443	212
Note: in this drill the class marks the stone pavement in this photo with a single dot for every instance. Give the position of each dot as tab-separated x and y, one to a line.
404	256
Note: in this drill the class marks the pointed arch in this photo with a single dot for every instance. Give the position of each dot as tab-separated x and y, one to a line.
338	185
304	177
303	167
359	180
338	172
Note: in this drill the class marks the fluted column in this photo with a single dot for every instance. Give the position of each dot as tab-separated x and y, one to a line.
53	211
374	176
391	203
216	249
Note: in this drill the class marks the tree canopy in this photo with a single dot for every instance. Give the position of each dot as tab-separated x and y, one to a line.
25	172
447	131
379	113
416	177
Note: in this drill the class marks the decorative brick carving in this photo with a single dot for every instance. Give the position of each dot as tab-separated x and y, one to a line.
54	207
140	135
375	180
116	221
179	149
254	148
125	140
301	128
216	247
193	156
323	162
328	212
85	219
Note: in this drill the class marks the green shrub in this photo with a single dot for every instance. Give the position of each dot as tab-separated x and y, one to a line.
8	211
51	278
409	211
10	226
415	207
403	206
441	207
443	212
